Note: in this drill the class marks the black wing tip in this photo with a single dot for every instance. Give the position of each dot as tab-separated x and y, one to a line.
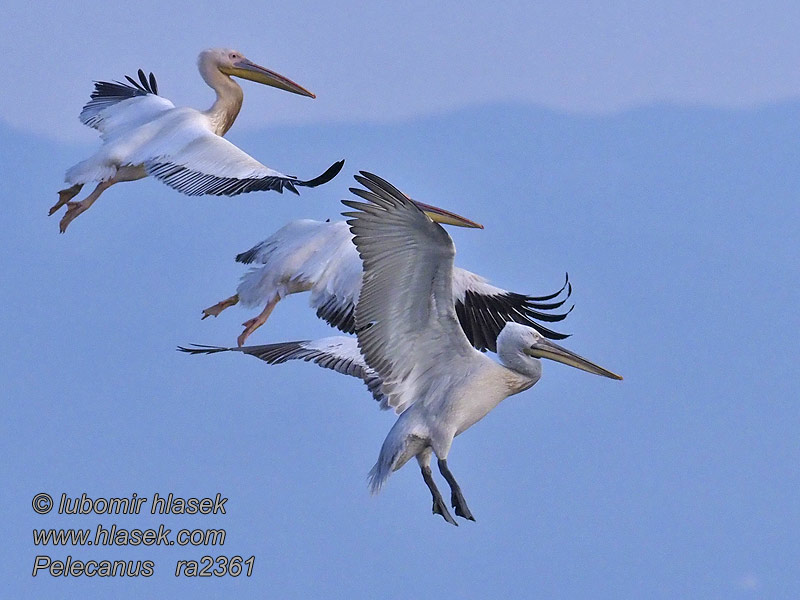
538	301
202	349
195	183
549	317
549	333
329	174
145	85
149	85
483	317
340	317
536	308
247	257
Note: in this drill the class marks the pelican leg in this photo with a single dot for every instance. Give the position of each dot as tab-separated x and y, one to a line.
76	208
439	507
213	311
456	498
65	196
256	322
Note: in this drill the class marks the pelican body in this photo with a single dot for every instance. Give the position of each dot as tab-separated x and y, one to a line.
430	373
320	258
410	348
145	134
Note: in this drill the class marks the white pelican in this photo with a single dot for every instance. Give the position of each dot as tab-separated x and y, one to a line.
320	257
145	134
412	343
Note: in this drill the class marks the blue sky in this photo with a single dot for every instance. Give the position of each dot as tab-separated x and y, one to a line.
383	61
577	137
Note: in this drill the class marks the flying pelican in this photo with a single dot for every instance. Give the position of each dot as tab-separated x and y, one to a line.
145	134
320	257
413	344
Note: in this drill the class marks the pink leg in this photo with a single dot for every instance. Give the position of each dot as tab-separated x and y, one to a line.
256	322
213	311
65	196
76	208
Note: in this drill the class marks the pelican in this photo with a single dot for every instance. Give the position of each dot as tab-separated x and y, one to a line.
411	349
316	256
145	134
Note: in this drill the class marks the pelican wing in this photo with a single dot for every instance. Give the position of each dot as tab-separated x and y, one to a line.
116	106
336	310
321	256
193	160
484	309
334	295
405	317
338	353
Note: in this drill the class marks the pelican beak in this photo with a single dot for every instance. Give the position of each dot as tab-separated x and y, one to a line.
546	349
440	215
249	70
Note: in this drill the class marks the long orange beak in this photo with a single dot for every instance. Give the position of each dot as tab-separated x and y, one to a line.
247	69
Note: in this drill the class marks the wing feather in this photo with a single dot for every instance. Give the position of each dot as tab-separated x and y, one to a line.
322	256
177	146
206	163
484	309
116	106
338	353
405	314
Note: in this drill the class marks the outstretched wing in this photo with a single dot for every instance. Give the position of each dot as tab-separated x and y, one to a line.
406	321
116	106
196	161
322	255
484	309
338	353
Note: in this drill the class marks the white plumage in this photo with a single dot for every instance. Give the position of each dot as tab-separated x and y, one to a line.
410	339
145	134
303	255
319	257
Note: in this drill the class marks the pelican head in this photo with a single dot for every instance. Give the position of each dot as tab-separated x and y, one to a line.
235	64
517	337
